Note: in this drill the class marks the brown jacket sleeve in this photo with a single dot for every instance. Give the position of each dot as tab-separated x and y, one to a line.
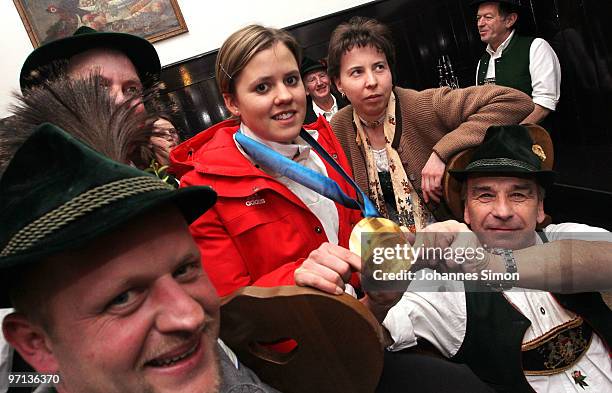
469	112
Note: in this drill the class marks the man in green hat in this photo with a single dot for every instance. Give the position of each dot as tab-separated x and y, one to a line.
525	63
125	61
98	262
517	340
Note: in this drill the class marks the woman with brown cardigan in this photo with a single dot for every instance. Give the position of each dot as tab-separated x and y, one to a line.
399	140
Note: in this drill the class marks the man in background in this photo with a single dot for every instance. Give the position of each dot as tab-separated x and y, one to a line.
126	62
320	99
525	63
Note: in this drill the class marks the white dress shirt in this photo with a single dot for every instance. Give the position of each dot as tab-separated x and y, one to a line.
299	151
544	68
328	114
441	319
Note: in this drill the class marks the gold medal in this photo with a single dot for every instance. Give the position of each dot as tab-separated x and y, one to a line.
379	237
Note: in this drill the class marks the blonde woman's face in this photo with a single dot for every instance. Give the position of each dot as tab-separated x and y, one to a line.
366	80
269	96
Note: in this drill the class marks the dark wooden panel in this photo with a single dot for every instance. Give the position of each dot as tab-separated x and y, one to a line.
566	203
581	36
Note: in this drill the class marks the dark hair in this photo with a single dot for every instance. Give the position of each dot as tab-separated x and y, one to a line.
27	293
11	137
169	116
361	32
148	153
505	9
240	47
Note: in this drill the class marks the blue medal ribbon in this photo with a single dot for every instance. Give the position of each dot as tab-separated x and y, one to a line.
315	181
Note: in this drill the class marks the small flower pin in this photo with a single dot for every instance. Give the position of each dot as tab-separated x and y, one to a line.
579	379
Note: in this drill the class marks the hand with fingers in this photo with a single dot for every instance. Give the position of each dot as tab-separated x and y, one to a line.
328	268
468	253
431	178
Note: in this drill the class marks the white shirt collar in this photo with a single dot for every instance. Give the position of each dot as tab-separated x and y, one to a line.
500	49
328	114
297	151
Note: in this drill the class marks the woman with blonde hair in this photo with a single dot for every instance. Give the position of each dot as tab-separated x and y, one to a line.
399	140
264	224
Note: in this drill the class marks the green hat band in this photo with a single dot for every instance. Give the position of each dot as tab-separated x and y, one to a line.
497	162
79	206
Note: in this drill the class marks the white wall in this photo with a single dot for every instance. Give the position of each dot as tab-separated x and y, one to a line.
209	23
15	48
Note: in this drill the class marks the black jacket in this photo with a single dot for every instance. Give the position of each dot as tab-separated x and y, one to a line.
311	116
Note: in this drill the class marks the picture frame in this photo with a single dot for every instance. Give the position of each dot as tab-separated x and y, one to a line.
48	20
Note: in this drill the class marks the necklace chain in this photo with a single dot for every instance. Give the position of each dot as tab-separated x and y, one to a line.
373	124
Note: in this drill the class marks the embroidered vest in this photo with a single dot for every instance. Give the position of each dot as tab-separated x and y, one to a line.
512	68
495	331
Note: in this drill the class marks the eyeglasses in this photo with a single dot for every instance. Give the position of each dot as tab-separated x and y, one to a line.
315	77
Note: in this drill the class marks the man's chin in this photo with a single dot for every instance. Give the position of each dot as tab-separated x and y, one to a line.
323	94
202	377
513	240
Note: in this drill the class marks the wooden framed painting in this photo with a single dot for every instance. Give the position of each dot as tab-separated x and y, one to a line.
48	20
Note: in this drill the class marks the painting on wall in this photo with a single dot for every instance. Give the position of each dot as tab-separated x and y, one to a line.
48	20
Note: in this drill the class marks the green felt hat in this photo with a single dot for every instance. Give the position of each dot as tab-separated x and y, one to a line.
512	150
140	52
58	194
507	150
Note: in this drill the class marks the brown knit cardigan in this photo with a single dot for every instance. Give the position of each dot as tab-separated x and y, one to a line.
442	120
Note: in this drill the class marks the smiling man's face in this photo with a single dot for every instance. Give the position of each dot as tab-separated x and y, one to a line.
503	211
131	312
494	27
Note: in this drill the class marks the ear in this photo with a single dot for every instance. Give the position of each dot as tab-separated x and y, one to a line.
466	214
511	20
31	341
541	215
231	103
338	85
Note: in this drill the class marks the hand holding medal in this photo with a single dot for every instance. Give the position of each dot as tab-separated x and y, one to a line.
330	266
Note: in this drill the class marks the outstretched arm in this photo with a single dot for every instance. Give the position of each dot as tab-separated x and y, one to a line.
539	113
566	266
